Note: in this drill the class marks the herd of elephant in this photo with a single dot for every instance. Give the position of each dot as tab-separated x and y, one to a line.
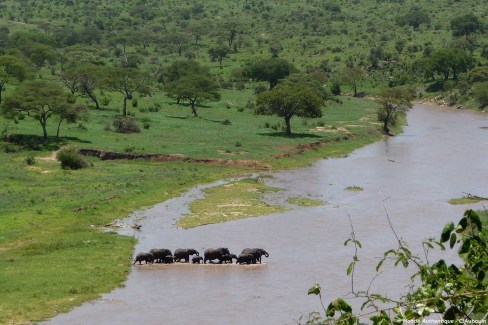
211	255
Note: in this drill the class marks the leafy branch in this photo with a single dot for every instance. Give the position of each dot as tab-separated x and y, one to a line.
457	294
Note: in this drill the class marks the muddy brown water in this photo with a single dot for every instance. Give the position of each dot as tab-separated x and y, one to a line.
441	154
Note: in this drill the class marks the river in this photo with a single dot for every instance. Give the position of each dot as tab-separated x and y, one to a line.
441	154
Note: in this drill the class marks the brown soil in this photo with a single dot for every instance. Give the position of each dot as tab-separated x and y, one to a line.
107	155
293	150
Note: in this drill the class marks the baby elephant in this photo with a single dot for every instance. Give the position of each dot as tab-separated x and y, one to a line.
146	257
197	259
168	259
245	259
227	258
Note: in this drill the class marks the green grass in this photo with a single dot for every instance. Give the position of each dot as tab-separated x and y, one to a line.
304	202
466	200
232	201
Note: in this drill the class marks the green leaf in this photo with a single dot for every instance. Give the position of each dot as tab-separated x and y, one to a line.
465	247
350	268
315	290
379	265
463	223
347	242
446	232
481	276
474	218
452	242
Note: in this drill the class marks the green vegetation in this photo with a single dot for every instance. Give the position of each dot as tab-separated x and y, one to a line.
467	199
452	293
354	188
304	202
232	201
122	76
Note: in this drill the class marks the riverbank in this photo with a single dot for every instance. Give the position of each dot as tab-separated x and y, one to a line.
53	256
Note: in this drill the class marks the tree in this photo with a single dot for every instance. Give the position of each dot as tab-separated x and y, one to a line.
72	114
11	69
454	294
414	17
393	102
194	87
270	70
178	41
219	53
290	100
229	29
352	76
38	99
126	81
84	78
480	92
179	69
449	60
465	25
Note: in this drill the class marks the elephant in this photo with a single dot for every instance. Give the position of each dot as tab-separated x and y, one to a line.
168	259
245	259
184	254
197	259
146	257
159	254
256	252
211	254
227	258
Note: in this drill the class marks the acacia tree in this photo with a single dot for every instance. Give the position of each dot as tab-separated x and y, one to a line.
11	69
38	99
195	87
449	60
270	70
219	53
352	76
465	25
414	17
290	100
393	102
127	81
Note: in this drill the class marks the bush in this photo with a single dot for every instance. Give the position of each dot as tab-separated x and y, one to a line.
30	160
70	158
125	125
480	92
335	88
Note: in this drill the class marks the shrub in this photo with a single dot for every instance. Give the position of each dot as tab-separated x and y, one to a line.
30	160
238	144
125	125
146	125
226	122
335	87
70	158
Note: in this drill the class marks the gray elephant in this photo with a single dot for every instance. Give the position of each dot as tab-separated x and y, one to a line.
211	254
184	254
256	252
228	258
168	259
159	254
245	259
196	259
146	257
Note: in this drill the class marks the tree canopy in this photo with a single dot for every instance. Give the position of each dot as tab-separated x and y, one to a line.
290	100
393	102
195	88
270	70
38	99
